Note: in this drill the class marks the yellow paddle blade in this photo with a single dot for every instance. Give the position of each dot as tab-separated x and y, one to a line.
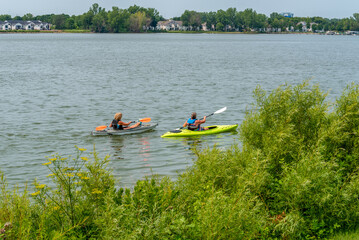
100	128
145	120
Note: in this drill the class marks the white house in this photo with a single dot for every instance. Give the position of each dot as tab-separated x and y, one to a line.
304	26
5	25
23	25
38	25
169	25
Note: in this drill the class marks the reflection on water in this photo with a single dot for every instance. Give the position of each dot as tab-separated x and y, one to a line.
192	142
117	144
145	150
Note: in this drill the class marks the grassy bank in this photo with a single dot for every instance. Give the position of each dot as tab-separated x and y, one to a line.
295	177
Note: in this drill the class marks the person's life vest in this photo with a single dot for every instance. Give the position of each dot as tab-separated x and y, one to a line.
191	124
115	125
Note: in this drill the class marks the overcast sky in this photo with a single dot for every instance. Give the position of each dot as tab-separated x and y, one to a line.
173	8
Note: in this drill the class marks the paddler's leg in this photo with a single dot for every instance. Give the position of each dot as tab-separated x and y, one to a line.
202	128
133	126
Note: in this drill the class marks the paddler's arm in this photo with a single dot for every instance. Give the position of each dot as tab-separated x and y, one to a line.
201	121
123	123
185	124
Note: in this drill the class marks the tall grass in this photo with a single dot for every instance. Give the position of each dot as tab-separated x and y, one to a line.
295	177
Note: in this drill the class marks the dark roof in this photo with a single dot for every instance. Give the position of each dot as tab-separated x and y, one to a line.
13	22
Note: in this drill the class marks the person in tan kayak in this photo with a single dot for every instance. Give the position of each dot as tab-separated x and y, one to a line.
118	124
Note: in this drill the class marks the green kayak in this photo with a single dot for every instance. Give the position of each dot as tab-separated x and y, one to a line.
212	130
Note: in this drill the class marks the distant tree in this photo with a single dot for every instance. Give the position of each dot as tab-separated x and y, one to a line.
356	17
99	20
299	27
113	19
185	17
44	18
231	17
275	23
134	9
315	27
59	21
191	19
70	23
355	22
260	21
249	18
239	21
195	19
17	18
220	26
5	17
28	16
95	8
154	16
211	20
275	15
124	20
137	21
221	17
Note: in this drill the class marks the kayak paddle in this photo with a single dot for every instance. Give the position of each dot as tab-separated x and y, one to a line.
100	128
218	111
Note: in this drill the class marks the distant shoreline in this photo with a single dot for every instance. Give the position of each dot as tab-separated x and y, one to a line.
182	32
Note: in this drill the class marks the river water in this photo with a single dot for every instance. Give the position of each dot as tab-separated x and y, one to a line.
56	88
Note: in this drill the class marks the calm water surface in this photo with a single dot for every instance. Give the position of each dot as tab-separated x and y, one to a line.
56	88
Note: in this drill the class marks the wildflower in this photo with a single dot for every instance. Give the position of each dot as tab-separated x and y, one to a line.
40	186
96	191
81	149
76	183
79	174
70	175
46	163
52	159
35	193
85	178
84	158
56	208
50	175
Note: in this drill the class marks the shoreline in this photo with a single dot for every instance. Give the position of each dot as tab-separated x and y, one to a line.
170	32
56	31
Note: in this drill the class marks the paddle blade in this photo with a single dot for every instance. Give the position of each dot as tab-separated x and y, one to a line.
145	120
100	128
220	110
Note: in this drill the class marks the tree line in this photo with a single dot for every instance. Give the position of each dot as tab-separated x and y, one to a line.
139	19
97	19
250	20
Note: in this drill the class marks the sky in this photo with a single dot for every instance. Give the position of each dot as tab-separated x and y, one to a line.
174	8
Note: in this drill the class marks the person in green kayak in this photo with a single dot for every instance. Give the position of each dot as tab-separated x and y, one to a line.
194	124
117	124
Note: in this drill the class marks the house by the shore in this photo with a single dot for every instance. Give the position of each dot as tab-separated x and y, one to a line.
170	25
8	25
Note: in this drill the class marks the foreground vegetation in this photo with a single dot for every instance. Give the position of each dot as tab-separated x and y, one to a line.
295	176
139	19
